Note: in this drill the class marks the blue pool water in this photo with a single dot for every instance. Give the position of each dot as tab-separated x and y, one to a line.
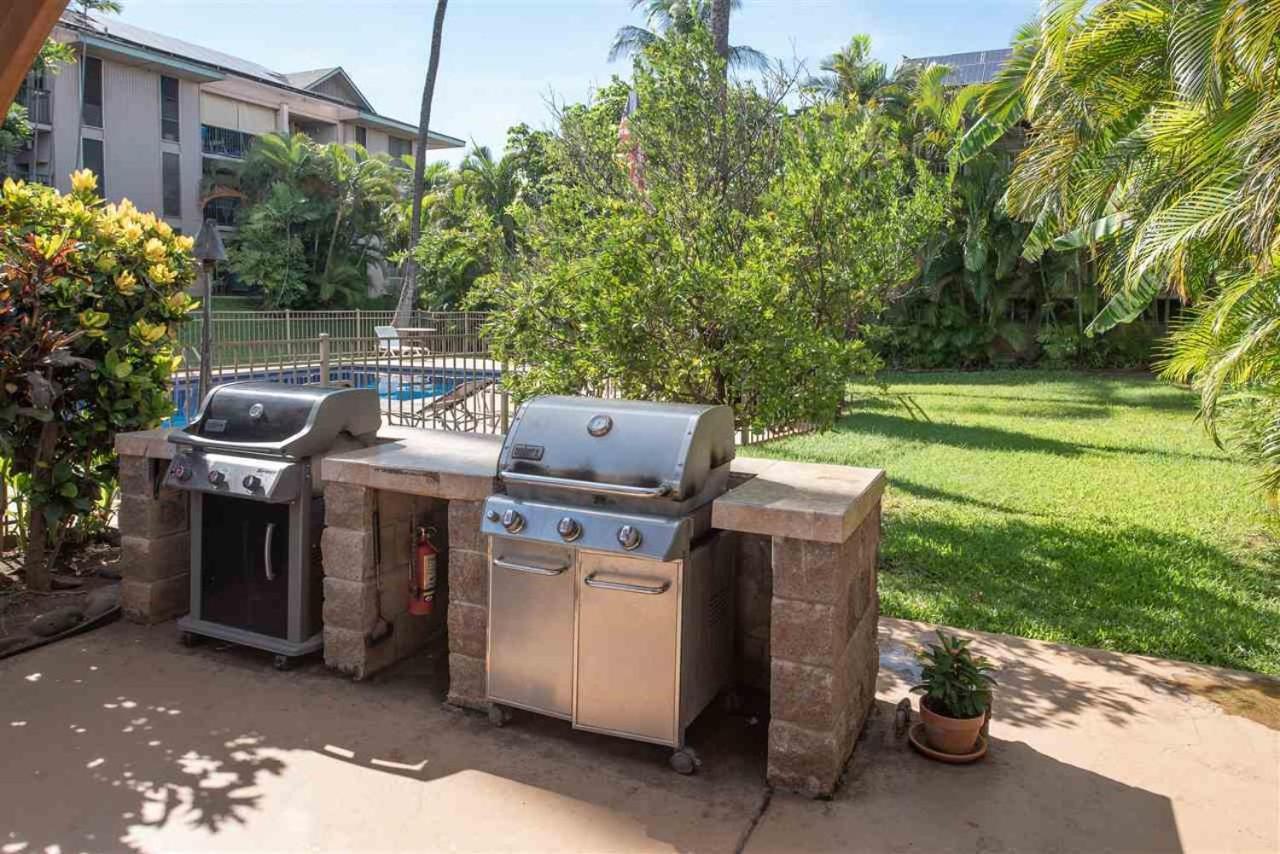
401	385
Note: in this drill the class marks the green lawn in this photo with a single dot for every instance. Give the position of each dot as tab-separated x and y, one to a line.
1066	507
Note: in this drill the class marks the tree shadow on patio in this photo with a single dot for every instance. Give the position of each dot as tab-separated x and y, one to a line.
1016	799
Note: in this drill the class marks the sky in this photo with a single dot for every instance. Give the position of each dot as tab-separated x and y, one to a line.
502	60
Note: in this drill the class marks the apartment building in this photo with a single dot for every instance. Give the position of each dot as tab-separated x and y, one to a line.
166	123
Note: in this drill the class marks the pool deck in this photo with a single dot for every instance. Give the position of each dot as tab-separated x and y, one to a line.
122	739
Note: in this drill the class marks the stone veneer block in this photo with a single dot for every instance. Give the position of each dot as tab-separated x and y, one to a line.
468	629
144	516
136	475
155	601
467	682
347	506
464	525
804	760
350	604
347	651
348	554
468	577
824	655
155	558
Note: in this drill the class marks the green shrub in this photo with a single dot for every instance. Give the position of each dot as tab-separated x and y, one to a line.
89	298
721	252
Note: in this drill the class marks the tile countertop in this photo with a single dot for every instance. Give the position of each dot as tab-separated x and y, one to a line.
806	501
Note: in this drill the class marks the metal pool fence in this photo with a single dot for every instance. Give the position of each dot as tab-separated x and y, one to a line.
437	374
278	333
418	386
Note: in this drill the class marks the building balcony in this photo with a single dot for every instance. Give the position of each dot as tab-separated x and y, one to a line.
224	142
39	105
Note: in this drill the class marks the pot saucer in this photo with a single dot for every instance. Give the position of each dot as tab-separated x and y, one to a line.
917	738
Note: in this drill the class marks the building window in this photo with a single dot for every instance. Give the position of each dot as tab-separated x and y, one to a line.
169	128
399	147
92	113
362	137
171	181
93	161
222	211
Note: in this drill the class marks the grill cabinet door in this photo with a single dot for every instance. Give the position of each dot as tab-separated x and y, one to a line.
236	590
628	642
531	626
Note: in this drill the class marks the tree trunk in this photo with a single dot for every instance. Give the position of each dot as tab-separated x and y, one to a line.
35	565
720	27
420	151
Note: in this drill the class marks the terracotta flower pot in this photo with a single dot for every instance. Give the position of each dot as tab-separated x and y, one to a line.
950	735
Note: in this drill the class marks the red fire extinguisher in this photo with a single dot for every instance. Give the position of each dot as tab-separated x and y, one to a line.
422	581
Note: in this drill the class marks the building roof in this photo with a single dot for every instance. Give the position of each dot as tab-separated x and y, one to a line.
307	79
978	66
299	81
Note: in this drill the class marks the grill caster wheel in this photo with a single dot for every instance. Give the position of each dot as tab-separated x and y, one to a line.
189	639
282	662
499	716
684	761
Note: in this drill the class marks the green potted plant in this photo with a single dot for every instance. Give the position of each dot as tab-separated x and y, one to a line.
957	694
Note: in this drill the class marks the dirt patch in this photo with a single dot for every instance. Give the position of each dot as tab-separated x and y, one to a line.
83	571
1255	699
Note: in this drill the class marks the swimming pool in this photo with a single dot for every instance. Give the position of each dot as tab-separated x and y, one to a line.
400	388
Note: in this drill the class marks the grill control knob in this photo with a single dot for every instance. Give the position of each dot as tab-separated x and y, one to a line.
252	482
629	537
216	477
568	529
492	516
513	522
182	473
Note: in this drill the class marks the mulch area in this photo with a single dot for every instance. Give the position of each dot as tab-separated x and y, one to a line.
80	572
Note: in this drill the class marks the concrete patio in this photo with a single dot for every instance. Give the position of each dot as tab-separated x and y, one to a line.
123	739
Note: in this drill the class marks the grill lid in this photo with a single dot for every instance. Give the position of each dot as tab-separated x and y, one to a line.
623	449
280	418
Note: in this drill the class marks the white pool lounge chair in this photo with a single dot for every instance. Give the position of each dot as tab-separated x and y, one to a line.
389	342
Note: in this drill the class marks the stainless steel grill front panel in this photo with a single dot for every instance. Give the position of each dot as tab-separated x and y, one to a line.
628	646
610	595
661	537
531	604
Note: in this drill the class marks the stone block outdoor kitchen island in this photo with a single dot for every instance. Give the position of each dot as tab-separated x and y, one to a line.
806	612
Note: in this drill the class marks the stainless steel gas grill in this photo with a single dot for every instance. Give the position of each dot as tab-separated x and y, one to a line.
610	604
257	512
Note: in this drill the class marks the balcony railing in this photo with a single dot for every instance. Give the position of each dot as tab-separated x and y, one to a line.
38	103
224	142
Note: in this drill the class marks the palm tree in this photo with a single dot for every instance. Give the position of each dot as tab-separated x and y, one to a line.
851	73
409	294
681	16
494	184
1156	146
357	179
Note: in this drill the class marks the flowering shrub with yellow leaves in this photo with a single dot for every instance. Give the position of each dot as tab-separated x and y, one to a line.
90	297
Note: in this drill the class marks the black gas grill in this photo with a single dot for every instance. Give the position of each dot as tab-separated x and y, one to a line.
257	512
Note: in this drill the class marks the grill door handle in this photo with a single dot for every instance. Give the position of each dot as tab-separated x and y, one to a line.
266	552
588	485
592	581
529	568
